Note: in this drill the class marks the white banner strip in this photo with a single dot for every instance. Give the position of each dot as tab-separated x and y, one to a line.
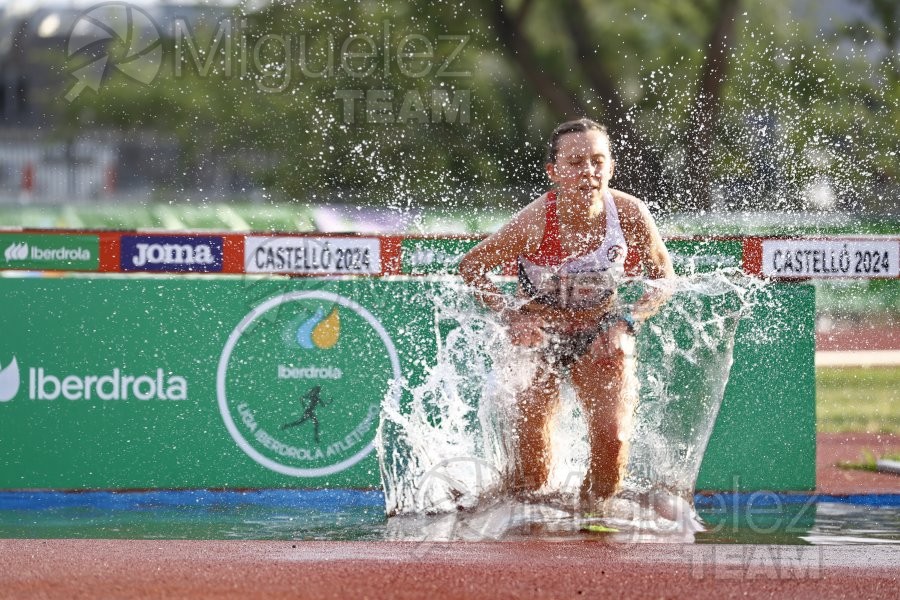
818	258
312	255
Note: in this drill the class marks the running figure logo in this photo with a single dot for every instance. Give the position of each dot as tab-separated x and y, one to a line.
307	372
313	399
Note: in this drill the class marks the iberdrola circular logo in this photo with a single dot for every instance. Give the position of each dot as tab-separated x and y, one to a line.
301	380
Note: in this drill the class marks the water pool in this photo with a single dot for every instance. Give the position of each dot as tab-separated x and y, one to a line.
759	518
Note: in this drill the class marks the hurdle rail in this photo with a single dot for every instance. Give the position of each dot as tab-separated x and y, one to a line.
335	254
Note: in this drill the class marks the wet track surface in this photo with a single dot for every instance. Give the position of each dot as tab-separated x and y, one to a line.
218	569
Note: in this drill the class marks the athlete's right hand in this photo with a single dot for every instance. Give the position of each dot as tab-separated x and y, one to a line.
525	330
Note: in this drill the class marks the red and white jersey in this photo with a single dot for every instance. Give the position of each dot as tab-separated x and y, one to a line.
550	277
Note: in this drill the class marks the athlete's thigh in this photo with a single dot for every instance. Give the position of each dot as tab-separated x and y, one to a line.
598	377
542	393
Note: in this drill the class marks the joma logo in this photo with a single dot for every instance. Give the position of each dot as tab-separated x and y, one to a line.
173	254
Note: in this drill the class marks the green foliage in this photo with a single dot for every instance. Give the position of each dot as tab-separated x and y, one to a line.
858	399
271	100
264	92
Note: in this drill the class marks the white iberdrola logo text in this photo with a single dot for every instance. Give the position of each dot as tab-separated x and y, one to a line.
290	372
115	386
22	251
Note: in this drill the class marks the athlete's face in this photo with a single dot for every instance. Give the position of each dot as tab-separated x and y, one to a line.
583	164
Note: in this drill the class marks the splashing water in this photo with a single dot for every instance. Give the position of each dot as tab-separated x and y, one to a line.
450	446
684	355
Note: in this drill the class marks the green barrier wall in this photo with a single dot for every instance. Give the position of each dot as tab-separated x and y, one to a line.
765	433
122	383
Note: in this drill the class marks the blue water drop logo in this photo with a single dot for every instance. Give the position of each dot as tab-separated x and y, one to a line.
304	332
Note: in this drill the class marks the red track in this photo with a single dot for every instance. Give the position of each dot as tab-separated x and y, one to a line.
489	570
532	569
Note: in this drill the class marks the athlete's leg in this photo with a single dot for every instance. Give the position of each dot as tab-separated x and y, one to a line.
603	379
536	405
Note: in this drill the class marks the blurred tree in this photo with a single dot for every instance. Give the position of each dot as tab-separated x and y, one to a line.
350	99
886	29
883	103
640	168
704	112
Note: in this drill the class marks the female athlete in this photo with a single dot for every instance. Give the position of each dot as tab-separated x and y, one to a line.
571	245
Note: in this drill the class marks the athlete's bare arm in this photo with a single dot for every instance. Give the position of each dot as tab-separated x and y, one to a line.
522	235
642	234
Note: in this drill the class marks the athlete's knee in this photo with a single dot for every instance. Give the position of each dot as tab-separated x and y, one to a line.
609	359
534	411
607	433
540	398
612	443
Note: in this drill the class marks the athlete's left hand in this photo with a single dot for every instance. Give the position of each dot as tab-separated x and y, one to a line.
614	344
